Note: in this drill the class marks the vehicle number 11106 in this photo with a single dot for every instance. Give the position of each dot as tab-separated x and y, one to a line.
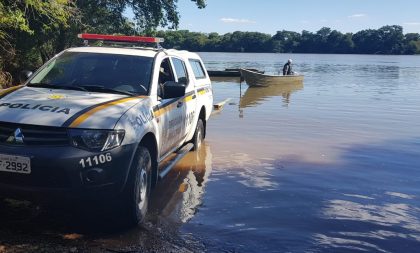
95	160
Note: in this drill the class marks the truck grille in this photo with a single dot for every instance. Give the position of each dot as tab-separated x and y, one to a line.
34	135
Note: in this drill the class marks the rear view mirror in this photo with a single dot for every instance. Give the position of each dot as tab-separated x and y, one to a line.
173	89
24	75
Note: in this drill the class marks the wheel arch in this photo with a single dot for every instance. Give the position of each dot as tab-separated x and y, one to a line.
149	141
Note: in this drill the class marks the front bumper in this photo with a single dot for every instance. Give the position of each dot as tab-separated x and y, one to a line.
60	172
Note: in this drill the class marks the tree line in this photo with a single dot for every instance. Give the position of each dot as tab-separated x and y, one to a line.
385	40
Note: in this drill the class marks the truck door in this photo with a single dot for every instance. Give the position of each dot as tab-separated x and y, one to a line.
190	99
171	112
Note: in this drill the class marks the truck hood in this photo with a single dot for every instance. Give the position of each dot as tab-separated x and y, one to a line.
63	108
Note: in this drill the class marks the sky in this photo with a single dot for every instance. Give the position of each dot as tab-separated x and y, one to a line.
269	16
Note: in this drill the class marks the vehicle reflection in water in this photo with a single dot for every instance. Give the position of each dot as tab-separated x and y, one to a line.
176	198
254	96
173	202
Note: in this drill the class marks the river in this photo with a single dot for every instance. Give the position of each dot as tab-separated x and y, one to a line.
331	166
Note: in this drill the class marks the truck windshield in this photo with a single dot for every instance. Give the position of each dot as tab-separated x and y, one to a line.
112	73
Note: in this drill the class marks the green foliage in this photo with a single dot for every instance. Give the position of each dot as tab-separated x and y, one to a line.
285	41
27	29
386	40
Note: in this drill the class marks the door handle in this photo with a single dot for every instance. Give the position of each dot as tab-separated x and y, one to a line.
179	104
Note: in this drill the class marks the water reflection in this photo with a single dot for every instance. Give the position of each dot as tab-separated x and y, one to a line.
254	96
253	173
386	215
177	197
353	245
174	201
380	72
362	211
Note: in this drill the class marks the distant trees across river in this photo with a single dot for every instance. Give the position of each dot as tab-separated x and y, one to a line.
385	40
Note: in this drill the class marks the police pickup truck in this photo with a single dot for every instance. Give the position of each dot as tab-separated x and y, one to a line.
99	121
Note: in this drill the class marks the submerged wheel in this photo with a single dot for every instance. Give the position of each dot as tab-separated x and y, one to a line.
137	192
198	135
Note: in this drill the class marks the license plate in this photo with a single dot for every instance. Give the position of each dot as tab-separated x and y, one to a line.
15	164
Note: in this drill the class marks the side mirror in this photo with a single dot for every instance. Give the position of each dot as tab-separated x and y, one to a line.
24	75
183	80
173	89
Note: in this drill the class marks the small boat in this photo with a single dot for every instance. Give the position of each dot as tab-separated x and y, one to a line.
256	79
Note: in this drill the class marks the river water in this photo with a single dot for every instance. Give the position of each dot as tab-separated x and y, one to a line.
328	166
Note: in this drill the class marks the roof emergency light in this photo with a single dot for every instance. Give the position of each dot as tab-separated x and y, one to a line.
119	38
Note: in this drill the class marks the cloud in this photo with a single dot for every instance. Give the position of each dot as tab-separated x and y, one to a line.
412	23
359	15
237	21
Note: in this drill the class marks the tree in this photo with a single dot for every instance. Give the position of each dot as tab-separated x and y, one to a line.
339	43
195	41
285	41
367	42
214	42
386	40
150	14
26	29
412	43
392	39
308	43
321	40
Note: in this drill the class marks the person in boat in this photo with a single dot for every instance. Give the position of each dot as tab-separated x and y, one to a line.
287	68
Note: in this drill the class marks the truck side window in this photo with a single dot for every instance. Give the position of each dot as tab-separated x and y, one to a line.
197	68
165	72
180	70
165	75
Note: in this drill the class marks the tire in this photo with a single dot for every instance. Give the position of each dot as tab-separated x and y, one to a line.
198	135
137	192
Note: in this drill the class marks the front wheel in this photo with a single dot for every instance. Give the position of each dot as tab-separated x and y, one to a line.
137	192
198	135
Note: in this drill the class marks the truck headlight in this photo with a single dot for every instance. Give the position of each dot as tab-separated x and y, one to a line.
96	140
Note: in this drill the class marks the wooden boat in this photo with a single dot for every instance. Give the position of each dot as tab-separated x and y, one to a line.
238	70
253	78
257	95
